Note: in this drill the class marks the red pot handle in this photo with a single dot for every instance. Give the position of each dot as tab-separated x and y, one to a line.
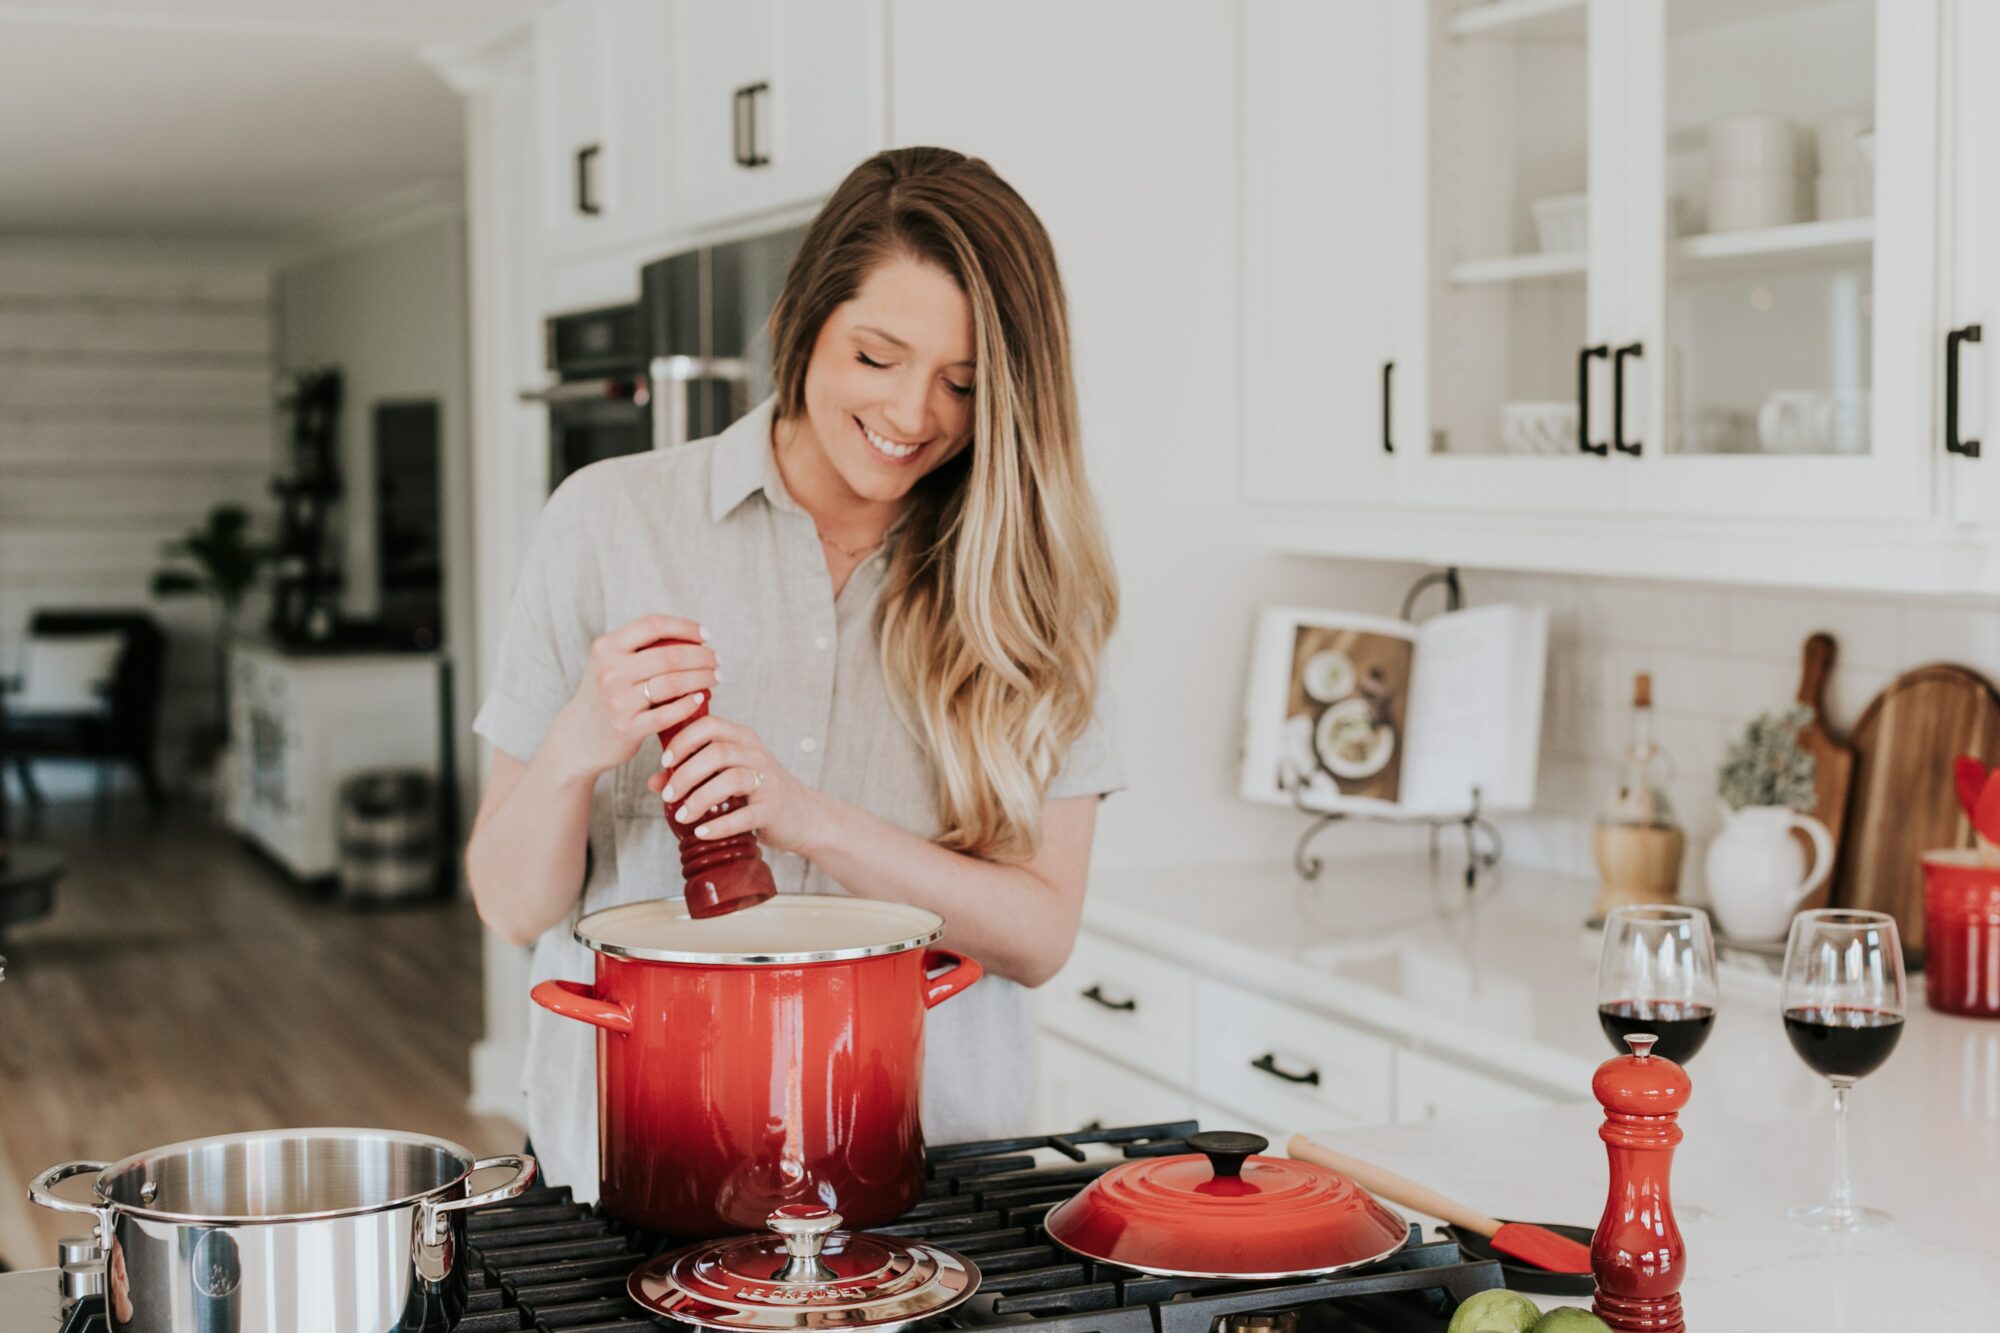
574	999
964	972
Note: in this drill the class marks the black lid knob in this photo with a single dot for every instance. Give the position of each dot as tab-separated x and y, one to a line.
1226	1149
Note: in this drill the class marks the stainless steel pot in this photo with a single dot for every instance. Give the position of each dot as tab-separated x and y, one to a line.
290	1231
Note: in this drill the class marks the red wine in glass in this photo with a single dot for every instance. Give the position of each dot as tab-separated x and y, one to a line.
1843	1041
1681	1026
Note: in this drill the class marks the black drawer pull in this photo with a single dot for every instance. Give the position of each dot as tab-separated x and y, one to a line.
1618	440
1583	360
1954	340
1268	1063
1096	995
586	190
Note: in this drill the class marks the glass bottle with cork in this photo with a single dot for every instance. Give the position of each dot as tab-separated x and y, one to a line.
1637	840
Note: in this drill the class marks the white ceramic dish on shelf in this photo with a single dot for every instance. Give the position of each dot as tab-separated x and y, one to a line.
1562	223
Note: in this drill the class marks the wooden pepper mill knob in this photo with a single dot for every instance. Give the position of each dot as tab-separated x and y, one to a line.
718	875
1637	1255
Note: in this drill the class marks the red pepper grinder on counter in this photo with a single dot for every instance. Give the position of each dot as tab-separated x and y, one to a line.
1637	1255
719	875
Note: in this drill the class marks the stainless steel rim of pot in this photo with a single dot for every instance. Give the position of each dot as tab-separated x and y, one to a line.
930	934
283	1141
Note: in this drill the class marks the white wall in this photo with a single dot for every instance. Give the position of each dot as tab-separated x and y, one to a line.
134	396
390	312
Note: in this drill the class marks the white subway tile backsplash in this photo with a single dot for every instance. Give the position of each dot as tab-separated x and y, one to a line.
1643	613
1966	635
1865	632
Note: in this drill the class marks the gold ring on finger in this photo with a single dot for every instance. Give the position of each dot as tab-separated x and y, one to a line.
760	779
646	688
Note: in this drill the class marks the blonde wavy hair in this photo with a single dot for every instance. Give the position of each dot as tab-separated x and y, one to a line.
1000	594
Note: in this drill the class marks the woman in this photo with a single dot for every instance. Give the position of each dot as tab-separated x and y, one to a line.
893	579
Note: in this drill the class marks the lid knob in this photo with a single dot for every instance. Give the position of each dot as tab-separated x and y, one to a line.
1226	1150
1641	1043
805	1227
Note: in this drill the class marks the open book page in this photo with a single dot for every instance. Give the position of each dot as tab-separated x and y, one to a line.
1476	710
1329	706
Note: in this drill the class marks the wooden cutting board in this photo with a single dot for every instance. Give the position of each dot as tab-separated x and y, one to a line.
1903	802
1833	760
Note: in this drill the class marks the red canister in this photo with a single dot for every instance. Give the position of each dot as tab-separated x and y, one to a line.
760	1059
1962	933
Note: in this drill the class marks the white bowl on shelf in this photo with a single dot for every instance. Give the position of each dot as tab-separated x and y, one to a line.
1745	201
1746	145
1562	223
1843	196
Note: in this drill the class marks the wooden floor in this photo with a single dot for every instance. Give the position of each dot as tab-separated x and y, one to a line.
185	987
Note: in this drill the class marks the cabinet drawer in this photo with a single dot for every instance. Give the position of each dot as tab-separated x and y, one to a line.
1431	1089
1080	1089
1125	1004
1284	1067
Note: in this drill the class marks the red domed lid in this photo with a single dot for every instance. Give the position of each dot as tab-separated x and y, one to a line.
1224	1212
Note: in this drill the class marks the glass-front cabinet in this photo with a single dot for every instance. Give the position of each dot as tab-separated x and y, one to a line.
1782	196
1678	256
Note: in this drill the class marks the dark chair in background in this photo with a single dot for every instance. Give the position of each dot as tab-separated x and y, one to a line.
120	730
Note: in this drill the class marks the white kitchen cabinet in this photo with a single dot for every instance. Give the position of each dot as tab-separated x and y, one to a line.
1320	185
301	724
605	150
1126	1003
774	102
1971	261
1783	347
1429	1089
1281	1066
1078	1088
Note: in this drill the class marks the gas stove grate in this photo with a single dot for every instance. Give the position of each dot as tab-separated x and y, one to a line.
548	1263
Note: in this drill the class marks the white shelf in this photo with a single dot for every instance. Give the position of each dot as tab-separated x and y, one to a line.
1841	241
1519	268
1505	16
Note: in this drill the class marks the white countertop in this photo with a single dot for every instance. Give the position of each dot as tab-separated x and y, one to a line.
1509	976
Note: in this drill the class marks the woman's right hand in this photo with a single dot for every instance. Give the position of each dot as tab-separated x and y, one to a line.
610	715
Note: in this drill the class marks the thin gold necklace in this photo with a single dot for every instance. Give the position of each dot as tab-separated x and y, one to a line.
851	552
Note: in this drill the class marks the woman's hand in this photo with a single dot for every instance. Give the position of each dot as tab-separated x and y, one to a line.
631	691
715	759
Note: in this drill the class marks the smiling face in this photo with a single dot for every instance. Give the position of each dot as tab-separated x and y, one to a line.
888	391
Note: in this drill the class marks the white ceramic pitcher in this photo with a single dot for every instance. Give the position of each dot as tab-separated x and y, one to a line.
1757	873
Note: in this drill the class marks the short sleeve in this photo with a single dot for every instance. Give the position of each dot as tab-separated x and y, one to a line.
1092	766
556	613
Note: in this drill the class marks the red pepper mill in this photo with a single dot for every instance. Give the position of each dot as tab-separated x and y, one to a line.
1637	1255
719	875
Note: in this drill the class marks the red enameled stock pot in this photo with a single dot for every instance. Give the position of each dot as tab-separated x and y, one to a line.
759	1059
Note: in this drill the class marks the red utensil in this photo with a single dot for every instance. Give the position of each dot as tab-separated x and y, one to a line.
1519	1240
719	875
1969	776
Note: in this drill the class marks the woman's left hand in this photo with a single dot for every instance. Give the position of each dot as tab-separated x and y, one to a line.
714	759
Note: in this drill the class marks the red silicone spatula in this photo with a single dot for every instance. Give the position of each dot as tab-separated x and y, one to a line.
1521	1240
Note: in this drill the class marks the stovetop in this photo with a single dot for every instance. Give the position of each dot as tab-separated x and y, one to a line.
544	1261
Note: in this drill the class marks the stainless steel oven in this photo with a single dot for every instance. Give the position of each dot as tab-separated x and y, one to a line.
601	403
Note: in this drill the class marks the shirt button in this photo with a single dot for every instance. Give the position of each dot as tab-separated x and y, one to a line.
820	643
808	745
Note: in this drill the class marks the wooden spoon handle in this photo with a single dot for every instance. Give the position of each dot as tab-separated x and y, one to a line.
1391	1186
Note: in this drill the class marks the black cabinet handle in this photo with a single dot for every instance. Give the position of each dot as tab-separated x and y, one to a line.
1618	440
1268	1062
1583	359
1388	440
1125	1006
586	197
1953	341
744	126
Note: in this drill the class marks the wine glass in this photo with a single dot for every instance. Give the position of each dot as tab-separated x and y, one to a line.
1844	1005
1657	974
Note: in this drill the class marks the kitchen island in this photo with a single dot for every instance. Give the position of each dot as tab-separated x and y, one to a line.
1506	977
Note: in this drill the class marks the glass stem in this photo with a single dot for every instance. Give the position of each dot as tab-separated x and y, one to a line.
1841	1202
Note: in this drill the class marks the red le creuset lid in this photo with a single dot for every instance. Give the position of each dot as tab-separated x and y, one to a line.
1222	1211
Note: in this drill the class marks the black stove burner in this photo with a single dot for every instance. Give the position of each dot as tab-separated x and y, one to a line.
545	1262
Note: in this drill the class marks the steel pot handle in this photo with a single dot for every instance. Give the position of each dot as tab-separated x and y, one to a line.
964	971
40	1189
574	999
436	1213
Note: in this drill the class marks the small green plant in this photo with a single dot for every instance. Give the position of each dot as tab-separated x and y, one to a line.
218	559
1767	766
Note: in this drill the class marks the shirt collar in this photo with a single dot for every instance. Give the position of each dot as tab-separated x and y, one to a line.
742	464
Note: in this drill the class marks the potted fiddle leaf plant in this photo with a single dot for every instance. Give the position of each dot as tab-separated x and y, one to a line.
221	561
1757	874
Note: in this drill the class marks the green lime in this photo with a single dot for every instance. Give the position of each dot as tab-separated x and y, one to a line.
1496	1311
1569	1319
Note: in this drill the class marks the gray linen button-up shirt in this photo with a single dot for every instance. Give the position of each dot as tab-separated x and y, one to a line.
709	532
